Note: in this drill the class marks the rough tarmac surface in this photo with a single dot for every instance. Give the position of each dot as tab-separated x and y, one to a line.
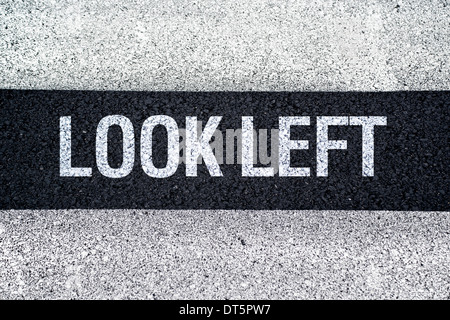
224	254
411	166
227	45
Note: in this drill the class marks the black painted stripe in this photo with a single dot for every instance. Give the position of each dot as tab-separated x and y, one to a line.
411	152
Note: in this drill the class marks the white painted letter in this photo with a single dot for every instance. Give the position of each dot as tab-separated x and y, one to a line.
368	124
196	146
323	144
247	152
285	146
102	146
173	147
65	152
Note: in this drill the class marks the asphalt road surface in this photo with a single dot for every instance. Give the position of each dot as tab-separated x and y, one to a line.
220	46
217	254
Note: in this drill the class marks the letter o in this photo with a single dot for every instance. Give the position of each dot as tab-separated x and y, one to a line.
173	146
101	148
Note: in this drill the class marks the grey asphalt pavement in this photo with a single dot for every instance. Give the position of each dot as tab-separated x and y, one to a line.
218	45
121	254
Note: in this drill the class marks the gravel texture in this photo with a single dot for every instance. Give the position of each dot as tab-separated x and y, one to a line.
225	45
224	254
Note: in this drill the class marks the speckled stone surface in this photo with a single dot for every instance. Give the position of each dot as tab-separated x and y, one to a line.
224	254
217	46
225	45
